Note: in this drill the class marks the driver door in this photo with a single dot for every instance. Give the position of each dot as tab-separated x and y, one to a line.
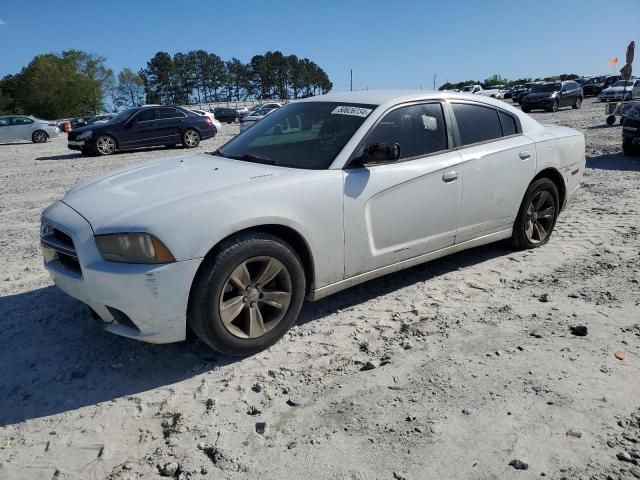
5	129
140	130
408	208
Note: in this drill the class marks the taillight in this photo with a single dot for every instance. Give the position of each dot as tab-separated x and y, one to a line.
208	121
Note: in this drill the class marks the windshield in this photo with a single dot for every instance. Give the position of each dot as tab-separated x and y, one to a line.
122	116
467	88
623	83
546	87
305	135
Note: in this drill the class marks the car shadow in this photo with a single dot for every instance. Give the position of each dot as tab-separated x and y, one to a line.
614	161
56	358
66	156
26	142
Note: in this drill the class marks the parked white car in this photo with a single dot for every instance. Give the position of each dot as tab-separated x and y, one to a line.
216	123
322	194
628	88
23	127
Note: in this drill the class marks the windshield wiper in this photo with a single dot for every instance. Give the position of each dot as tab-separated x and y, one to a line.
247	157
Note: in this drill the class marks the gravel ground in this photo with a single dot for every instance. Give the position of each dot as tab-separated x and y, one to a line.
463	368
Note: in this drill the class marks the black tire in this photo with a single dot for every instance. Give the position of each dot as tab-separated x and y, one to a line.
39	136
629	149
236	120
526	109
622	120
520	239
611	119
207	291
104	145
577	104
190	138
554	107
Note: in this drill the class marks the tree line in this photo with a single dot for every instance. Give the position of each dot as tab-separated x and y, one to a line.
200	77
499	80
79	83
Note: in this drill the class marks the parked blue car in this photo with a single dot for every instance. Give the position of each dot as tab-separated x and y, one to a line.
143	127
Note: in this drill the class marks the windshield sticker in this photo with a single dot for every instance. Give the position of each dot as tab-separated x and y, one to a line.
354	111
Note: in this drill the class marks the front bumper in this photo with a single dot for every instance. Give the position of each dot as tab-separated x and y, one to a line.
75	145
543	103
152	298
631	131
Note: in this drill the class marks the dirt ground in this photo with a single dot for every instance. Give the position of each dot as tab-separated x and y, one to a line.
474	364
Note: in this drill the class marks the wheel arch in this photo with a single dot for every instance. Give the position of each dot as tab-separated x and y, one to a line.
288	234
40	130
556	177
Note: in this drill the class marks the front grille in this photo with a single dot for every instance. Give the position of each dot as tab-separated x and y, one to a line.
62	245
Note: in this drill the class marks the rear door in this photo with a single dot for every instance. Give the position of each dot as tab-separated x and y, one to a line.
170	124
140	130
499	163
22	128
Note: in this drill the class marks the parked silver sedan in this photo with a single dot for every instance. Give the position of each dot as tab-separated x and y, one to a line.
22	127
322	194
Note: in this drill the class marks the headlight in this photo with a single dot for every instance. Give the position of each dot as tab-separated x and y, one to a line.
45	230
85	135
133	248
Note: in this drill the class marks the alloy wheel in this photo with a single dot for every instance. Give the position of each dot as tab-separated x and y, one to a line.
255	297
540	217
105	145
191	138
39	137
578	102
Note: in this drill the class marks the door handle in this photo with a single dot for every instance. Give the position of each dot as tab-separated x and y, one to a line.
449	177
524	155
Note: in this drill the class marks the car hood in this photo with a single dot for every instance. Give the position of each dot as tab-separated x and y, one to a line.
131	196
616	89
541	95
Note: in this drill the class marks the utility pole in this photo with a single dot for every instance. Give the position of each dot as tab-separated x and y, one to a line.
351	74
434	81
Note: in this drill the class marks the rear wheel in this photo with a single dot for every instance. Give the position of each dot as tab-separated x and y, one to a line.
246	297
39	136
190	138
611	119
105	145
577	104
526	109
537	216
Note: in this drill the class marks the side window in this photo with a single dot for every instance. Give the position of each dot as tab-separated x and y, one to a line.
146	115
418	129
22	121
169	113
476	124
509	126
4	122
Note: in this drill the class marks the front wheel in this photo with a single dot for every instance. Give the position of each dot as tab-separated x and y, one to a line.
190	138
577	104
554	107
246	297
537	216
39	136
105	145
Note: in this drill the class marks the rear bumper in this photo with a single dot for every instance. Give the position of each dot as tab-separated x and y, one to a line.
152	298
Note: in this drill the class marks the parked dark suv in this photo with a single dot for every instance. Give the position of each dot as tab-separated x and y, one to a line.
226	114
631	131
143	127
595	85
553	95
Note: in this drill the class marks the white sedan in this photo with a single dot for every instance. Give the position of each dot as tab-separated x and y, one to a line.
628	89
23	127
320	195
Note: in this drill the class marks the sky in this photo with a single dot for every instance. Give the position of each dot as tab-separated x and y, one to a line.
388	44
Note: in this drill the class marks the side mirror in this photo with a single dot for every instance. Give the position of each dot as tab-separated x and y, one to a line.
381	153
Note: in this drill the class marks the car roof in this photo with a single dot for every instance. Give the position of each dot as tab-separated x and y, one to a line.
385	99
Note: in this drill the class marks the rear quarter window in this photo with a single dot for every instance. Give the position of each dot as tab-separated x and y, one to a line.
476	123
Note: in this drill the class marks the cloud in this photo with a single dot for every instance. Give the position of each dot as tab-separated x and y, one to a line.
2	23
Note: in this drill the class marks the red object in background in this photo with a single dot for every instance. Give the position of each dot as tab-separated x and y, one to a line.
613	61
67	127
